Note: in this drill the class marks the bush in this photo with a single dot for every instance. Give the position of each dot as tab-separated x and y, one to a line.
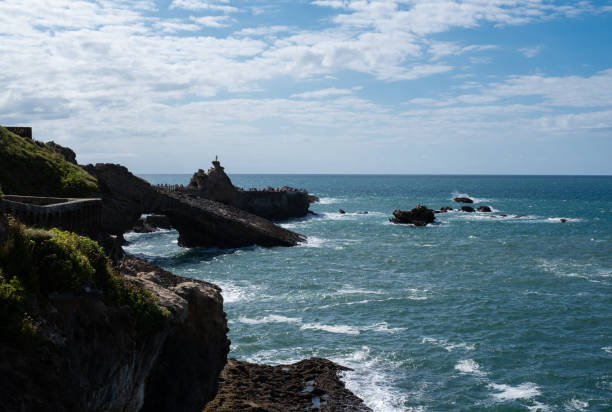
32	168
45	261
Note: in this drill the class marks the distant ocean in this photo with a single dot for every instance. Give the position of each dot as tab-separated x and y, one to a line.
472	313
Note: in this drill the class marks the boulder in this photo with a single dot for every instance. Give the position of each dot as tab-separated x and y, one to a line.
445	209
468	209
341	211
484	209
296	387
463	199
562	220
419	216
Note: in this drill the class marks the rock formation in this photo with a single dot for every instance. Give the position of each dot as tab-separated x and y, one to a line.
419	216
308	384
90	358
444	209
341	211
463	199
468	209
66	152
152	223
199	221
484	209
271	203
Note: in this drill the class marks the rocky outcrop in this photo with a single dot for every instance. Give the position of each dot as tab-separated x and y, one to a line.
184	375
199	221
341	211
308	384
468	209
152	223
271	203
419	216
463	199
485	209
91	358
66	152
444	209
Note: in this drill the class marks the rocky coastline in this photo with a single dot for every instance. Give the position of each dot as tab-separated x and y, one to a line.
83	351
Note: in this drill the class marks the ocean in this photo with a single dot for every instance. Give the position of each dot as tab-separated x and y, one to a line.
472	313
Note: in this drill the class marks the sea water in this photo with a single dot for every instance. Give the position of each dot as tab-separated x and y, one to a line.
474	312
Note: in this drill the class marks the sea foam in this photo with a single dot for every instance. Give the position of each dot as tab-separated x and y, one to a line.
523	391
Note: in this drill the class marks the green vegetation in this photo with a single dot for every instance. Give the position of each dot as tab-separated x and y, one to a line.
32	168
37	262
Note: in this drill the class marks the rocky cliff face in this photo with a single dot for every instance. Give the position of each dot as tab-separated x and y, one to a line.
271	203
91	358
199	221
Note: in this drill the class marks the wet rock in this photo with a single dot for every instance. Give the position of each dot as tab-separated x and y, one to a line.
419	216
297	387
484	209
468	209
562	220
463	199
341	211
519	216
445	209
362	213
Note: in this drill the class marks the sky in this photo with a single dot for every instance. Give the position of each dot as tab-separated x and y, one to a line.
315	86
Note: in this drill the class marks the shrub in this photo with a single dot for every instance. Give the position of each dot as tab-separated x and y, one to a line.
45	261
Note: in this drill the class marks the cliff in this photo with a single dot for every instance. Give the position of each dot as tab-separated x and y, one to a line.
33	168
81	336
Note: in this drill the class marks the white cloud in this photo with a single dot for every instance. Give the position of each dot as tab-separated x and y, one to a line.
199	5
318	94
211	21
530	52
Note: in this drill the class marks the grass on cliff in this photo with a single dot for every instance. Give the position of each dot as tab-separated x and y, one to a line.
36	262
31	168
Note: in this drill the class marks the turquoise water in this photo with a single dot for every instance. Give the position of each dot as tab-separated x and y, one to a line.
473	313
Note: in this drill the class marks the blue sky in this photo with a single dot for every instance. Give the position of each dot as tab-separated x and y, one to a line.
324	86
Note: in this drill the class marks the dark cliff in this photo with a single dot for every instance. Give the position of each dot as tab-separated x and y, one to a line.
76	335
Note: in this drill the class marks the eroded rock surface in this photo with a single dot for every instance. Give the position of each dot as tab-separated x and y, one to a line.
297	387
91	358
199	221
419	216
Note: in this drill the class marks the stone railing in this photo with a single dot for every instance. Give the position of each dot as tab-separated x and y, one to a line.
82	216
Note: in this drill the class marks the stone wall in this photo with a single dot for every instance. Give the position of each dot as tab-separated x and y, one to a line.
21	131
82	216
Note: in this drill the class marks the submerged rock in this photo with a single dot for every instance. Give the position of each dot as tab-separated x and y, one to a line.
419	216
341	211
468	209
484	209
563	220
463	199
445	209
309	384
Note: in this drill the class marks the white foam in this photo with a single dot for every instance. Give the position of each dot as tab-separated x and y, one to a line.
539	407
269	319
523	391
350	290
448	346
329	200
567	220
344	329
607	349
368	381
233	293
313	241
469	366
576	405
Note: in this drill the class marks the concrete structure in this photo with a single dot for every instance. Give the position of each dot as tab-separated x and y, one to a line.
82	216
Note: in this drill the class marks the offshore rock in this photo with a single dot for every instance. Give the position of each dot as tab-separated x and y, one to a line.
271	203
419	216
484	209
152	223
468	209
199	221
341	211
444	209
463	200
90	357
309	384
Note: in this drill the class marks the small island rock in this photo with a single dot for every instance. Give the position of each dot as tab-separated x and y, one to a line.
419	216
341	211
484	209
468	209
463	199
